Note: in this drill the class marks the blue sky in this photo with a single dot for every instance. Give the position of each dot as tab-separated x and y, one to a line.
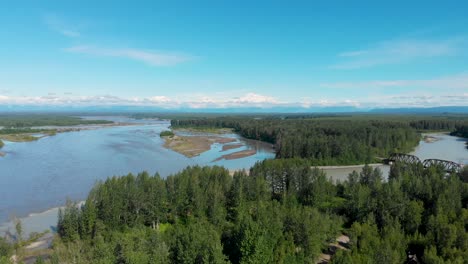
218	54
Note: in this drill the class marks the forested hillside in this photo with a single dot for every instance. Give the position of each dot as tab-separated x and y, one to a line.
284	212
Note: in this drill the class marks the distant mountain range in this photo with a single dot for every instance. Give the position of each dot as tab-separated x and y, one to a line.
141	109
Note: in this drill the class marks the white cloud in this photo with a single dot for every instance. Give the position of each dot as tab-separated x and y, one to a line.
421	99
459	81
153	58
253	98
194	101
57	24
160	99
399	51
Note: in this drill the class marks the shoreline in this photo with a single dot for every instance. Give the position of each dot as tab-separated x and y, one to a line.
333	167
203	131
50	131
35	222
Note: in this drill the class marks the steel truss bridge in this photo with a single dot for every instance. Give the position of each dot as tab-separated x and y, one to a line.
449	166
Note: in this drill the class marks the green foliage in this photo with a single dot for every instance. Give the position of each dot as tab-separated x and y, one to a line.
166	133
321	141
284	211
200	215
371	246
464	174
420	211
5	260
39	260
196	242
1	144
6	131
6	249
461	131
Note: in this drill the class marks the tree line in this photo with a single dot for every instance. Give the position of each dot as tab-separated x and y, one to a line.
200	215
323	142
283	212
461	131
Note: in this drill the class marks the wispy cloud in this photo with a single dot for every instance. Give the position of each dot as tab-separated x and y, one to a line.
149	57
58	24
459	81
398	51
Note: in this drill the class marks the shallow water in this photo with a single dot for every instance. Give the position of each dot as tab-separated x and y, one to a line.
36	176
446	147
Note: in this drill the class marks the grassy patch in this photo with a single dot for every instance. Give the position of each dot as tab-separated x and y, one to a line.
18	137
167	133
23	134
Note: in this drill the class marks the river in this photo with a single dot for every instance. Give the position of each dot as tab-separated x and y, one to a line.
39	175
445	147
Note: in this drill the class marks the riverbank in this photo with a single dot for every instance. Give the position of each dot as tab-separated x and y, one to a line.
26	137
205	130
35	223
359	166
47	131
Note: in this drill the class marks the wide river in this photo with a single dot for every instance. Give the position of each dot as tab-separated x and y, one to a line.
36	176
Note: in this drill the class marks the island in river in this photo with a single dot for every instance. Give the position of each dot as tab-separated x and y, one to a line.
191	146
192	143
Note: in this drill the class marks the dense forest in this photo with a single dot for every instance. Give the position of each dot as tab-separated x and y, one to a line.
283	212
331	140
324	142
